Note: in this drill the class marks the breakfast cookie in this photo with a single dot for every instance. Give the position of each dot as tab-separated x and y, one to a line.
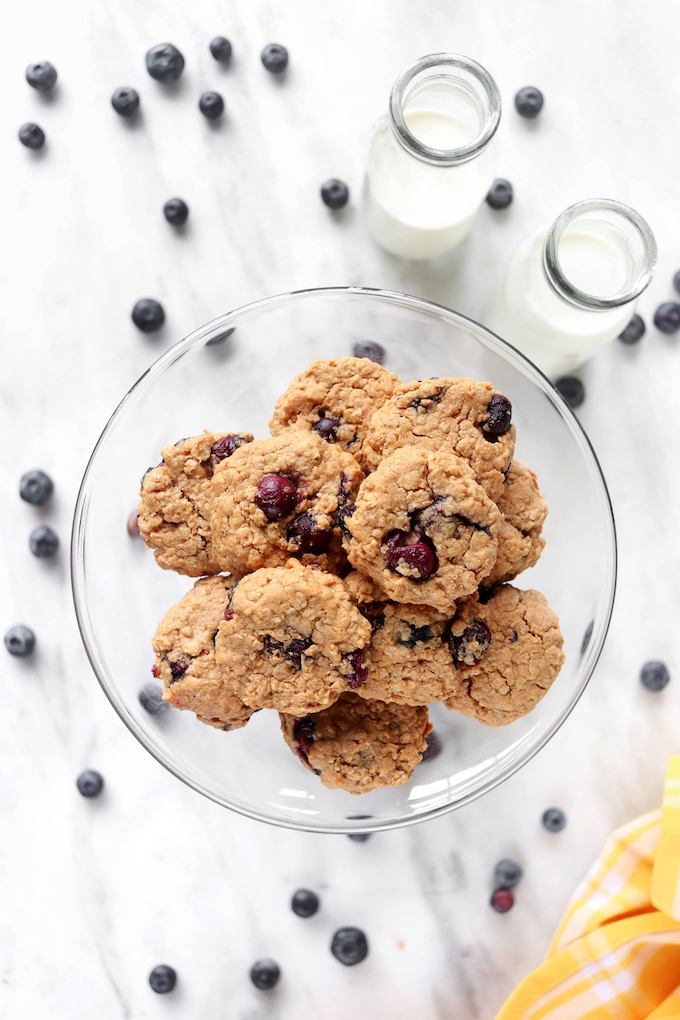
291	639
282	497
508	650
335	399
458	416
358	745
174	510
184	644
422	528
519	539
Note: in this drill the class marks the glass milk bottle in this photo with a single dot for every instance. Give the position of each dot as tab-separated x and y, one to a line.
431	159
570	288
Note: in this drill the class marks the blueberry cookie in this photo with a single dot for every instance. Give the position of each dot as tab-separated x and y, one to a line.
422	528
335	400
184	644
508	650
519	539
291	639
358	745
282	497
458	416
174	510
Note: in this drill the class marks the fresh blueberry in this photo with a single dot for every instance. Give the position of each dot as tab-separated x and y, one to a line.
220	338
43	542
20	641
164	62
498	417
529	101
586	637
176	212
151	699
90	783
211	105
163	979
507	874
304	903
434	747
414	551
634	331
148	315
654	676
667	317
41	76
502	900
32	136
554	820
275	58
572	389
676	281
125	101
265	974
369	349
276	496
36	487
334	193
500	194
221	49
349	946
359	837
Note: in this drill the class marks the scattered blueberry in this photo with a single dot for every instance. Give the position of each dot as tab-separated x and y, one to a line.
148	315
572	389
221	49
125	101
41	76
369	349
507	874
529	101
164	62
36	487
335	193
434	747
586	637
634	331
43	542
500	194
304	903
32	136
265	974
133	524
654	676
151	699
502	900
275	58
276	496
349	946
163	979
667	317
211	105
176	212
220	338
414	551
554	820
359	837
90	783
676	281
20	641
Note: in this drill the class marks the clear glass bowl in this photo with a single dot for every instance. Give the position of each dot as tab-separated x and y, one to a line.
227	375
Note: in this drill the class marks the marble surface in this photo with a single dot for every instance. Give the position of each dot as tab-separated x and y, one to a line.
94	894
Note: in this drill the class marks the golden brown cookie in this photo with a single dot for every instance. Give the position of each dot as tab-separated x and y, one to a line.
184	644
358	745
335	399
291	639
422	528
174	510
458	416
519	539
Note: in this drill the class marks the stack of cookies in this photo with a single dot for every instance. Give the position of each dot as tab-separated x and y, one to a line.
353	569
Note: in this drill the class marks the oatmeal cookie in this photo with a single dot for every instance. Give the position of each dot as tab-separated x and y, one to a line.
335	399
519	539
282	497
458	416
422	528
291	639
174	510
508	651
358	745
184	644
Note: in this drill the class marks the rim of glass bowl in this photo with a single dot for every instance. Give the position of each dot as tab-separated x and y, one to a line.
211	331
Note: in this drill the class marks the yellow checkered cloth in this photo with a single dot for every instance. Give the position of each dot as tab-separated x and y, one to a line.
616	954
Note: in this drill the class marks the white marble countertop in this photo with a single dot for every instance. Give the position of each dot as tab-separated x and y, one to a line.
93	894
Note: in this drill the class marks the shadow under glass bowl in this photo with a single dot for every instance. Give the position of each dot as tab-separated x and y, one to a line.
227	375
